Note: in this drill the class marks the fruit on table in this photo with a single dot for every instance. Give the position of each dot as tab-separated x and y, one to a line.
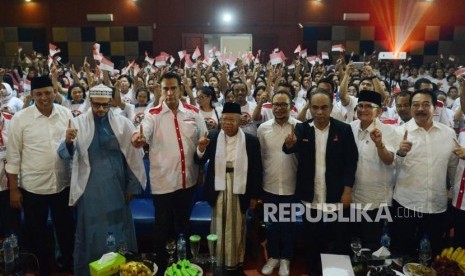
182	268
134	268
450	262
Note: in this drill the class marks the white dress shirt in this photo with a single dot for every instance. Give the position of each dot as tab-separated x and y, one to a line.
4	127
173	141
421	175
373	179
279	169
321	140
32	149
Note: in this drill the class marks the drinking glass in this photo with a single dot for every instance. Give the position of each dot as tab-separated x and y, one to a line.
171	249
212	238
195	246
356	246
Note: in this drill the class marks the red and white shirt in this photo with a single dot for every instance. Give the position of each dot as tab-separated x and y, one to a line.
173	140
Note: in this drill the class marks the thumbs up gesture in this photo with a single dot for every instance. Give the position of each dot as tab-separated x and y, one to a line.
291	139
203	142
405	145
71	133
459	151
138	139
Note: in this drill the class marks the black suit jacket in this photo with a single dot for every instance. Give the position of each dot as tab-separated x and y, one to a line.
341	160
254	170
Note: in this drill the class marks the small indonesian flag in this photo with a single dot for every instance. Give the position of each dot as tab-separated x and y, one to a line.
49	61
188	61
231	60
338	48
171	59
324	55
182	54
196	53
312	59
303	53
297	50
212	51
106	65
96	52
460	72
275	58
276	50
452	58
160	61
290	67
53	50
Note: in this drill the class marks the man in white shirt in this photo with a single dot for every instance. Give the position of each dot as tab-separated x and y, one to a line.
424	156
458	194
35	135
172	129
279	177
376	143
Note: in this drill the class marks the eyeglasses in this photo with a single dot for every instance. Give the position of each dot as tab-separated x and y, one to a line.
98	105
282	105
425	105
200	97
367	106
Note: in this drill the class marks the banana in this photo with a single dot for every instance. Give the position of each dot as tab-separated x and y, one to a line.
454	254
449	252
444	252
460	254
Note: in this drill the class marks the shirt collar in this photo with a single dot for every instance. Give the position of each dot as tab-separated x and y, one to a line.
411	125
311	124
165	107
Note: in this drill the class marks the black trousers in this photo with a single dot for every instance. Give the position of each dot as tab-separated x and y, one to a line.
10	218
36	208
172	217
324	237
459	223
410	226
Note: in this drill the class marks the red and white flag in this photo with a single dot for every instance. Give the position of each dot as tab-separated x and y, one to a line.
49	61
276	50
160	61
275	58
312	59
171	59
290	67
164	54
212	51
182	54
460	72
338	48
231	60
188	63
96	52
53	50
196	53
149	59
297	50
303	53
324	55
452	58
106	65
283	57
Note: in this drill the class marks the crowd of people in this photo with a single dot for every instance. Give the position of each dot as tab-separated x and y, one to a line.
376	136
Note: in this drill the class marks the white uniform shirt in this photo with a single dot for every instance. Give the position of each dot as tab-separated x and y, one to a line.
4	127
421	175
173	141
32	149
279	169
373	179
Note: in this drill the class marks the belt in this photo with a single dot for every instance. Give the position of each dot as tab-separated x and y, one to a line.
229	170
